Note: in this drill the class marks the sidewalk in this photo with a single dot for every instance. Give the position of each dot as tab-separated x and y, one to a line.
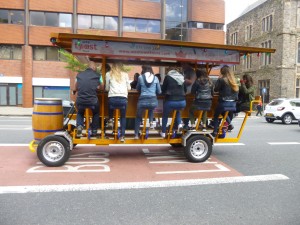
15	111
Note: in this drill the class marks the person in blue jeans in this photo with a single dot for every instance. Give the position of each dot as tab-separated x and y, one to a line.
174	90
228	94
117	84
148	85
87	84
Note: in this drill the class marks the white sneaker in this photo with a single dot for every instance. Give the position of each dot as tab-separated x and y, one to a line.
163	135
110	123
152	125
122	139
136	137
180	128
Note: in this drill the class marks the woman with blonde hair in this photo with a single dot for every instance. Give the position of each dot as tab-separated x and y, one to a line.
228	95
117	85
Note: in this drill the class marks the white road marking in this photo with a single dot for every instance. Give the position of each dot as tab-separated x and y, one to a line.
220	167
230	144
139	185
283	143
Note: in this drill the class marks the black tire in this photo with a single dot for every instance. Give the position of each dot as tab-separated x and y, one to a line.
287	119
198	148
53	151
269	120
176	145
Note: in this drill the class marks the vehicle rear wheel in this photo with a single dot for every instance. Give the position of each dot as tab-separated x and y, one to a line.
287	118
269	120
198	148
53	150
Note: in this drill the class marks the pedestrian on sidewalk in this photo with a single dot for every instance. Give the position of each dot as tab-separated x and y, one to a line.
259	108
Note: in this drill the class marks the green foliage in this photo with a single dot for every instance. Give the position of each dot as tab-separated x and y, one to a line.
76	66
73	62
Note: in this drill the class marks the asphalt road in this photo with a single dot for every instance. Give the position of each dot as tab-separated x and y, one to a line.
264	150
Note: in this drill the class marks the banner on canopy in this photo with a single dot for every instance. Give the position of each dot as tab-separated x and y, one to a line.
153	51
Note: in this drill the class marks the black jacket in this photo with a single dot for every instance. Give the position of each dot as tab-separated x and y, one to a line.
202	90
87	84
225	91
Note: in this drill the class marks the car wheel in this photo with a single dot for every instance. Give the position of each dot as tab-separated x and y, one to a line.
269	120
287	118
53	150
198	148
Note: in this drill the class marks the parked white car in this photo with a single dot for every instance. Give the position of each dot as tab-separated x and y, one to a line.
284	109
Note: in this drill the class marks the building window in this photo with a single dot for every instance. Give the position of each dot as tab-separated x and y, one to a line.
141	25
265	58
267	23
51	92
298	88
202	25
10	52
248	34
43	53
264	85
50	19
176	20
97	22
11	16
233	38
248	61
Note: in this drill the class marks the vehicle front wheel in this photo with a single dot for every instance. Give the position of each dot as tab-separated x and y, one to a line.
287	118
198	148
53	150
269	120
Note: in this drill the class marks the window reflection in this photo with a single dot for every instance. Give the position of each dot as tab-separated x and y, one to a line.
17	17
141	25
84	21
37	18
97	22
129	24
111	23
65	20
3	16
176	19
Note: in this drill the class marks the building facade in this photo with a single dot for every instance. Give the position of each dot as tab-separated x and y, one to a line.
31	67
270	24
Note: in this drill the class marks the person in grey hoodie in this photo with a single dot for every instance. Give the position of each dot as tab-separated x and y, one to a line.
174	90
148	85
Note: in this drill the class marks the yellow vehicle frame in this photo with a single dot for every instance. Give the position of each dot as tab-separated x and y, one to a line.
66	41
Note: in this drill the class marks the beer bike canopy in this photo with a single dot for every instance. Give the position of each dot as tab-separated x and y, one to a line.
155	52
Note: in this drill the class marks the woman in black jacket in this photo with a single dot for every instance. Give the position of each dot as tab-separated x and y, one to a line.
203	91
174	90
228	95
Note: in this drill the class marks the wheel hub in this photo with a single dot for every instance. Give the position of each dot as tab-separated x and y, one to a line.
53	151
198	148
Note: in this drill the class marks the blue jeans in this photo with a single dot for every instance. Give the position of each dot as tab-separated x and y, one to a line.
80	115
118	103
221	108
144	103
168	107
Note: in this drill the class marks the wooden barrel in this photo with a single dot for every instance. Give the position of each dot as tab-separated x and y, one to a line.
47	117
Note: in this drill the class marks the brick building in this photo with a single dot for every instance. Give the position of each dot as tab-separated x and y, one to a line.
270	24
30	66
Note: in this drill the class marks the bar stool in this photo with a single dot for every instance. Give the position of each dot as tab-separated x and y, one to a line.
116	130
171	133
222	130
200	109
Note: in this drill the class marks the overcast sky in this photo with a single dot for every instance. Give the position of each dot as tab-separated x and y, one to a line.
233	8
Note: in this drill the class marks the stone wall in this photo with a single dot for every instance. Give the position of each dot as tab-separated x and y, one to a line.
282	72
